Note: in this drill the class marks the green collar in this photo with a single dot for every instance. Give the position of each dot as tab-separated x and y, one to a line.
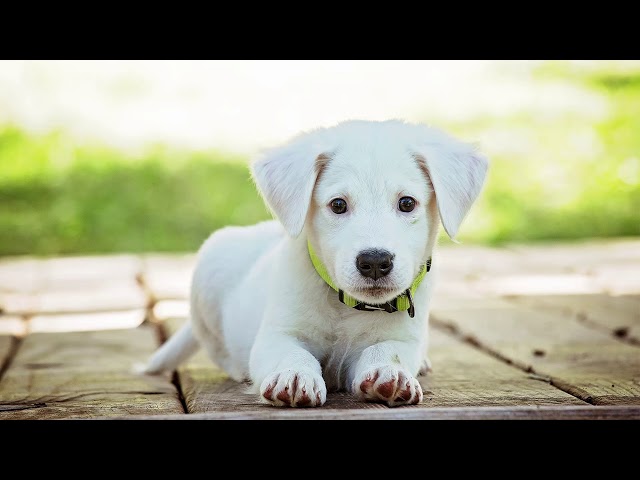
403	301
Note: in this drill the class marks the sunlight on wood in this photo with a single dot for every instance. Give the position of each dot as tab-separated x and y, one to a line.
540	284
10	325
166	309
86	321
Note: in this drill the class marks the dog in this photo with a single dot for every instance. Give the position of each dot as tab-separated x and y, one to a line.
332	294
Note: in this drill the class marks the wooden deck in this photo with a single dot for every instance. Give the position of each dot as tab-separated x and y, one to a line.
526	332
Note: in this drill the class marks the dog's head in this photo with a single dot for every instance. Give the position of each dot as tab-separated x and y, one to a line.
368	194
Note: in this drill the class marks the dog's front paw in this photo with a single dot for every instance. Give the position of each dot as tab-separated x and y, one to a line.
293	388
389	384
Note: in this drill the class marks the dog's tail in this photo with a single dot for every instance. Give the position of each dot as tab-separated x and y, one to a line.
178	348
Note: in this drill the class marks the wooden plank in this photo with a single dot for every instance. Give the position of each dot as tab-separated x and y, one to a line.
123	294
124	406
465	376
617	315
506	274
580	256
12	325
79	322
413	413
20	274
29	274
70	284
462	375
82	272
593	266
5	348
168	276
85	375
166	309
619	279
582	361
611	265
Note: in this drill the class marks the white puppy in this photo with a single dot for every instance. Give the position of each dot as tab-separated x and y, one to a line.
339	297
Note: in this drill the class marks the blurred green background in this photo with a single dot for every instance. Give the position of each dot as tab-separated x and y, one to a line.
553	175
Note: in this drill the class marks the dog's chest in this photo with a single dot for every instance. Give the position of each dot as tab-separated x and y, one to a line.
339	347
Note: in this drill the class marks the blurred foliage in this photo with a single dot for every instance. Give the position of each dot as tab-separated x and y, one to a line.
58	198
570	178
566	178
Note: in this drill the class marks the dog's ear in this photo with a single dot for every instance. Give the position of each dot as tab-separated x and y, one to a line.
285	177
457	172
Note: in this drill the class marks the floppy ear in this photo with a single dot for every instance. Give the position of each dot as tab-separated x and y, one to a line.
285	177
457	172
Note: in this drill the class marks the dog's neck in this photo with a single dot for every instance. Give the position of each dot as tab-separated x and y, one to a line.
402	302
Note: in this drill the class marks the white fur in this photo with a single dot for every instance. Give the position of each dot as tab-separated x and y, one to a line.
263	313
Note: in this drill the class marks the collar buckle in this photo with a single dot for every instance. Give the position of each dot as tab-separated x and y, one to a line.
412	309
388	307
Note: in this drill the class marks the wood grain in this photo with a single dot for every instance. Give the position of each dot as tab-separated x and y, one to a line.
464	375
617	315
413	413
582	361
85	374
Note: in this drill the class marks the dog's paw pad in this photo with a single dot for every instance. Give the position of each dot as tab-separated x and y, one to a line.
294	389
389	384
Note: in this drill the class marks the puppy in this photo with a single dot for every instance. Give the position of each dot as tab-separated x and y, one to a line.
335	294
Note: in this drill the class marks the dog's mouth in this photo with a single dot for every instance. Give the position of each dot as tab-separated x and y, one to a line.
375	294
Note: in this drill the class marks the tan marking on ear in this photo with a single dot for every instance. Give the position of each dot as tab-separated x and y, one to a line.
432	205
321	162
422	165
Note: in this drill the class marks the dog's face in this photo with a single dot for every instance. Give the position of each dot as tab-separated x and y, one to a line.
371	213
368	196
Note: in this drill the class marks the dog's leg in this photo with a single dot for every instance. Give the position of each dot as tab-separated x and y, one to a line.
383	373
288	374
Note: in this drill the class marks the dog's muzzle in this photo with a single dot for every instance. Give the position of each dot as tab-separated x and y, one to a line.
402	302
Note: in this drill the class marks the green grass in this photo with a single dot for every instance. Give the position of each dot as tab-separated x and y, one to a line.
566	178
60	199
575	179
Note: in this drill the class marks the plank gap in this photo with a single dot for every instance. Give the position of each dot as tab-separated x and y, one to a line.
151	298
175	379
573	390
175	376
13	350
453	330
620	334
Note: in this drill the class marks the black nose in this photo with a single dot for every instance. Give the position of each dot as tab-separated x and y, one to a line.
374	263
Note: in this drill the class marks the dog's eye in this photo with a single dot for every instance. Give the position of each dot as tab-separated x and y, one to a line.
338	205
407	204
